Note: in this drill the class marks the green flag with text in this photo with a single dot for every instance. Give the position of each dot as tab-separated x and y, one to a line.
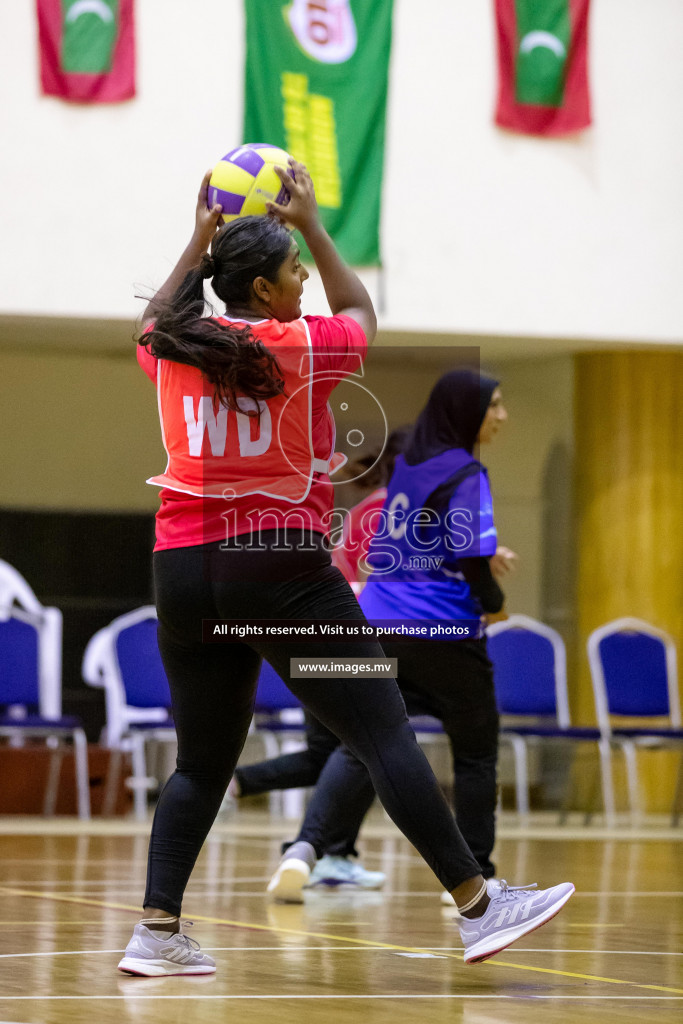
316	84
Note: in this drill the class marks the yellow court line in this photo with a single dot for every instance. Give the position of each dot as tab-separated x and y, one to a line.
583	977
53	924
58	898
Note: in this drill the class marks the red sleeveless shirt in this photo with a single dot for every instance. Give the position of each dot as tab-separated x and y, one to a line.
224	467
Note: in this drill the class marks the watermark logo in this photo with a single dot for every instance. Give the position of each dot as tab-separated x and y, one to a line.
371	545
355	410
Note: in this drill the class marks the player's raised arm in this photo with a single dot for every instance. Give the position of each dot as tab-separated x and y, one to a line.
206	222
345	292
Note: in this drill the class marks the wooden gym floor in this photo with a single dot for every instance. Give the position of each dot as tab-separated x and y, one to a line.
70	896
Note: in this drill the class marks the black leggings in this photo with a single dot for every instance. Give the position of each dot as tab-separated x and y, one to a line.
298	770
451	681
301	770
212	690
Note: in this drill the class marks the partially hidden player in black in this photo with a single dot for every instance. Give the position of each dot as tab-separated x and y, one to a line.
457	585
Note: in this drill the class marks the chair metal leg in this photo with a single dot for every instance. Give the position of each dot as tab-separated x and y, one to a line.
519	750
293	799
140	781
629	750
566	796
52	786
111	784
82	773
605	748
593	798
271	745
678	797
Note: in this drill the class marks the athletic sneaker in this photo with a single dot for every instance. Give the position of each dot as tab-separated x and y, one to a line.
153	953
332	871
512	912
293	873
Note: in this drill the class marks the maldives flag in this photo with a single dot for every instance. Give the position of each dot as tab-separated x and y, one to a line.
87	49
543	66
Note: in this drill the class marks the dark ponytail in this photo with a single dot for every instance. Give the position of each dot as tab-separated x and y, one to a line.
229	356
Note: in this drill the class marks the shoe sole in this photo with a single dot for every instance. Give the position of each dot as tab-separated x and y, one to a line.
333	883
288	882
518	933
159	968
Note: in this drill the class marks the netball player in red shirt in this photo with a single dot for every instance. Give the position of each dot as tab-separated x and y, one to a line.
243	408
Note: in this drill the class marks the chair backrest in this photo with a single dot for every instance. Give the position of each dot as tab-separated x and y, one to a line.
271	692
14	590
30	648
634	672
19	680
529	669
124	659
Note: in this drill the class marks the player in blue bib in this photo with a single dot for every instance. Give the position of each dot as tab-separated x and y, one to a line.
435	563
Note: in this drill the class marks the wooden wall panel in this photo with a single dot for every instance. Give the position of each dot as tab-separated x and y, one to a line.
629	510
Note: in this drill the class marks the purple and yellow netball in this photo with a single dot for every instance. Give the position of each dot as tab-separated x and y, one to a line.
245	180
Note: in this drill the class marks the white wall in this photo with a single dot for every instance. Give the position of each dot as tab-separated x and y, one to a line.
484	231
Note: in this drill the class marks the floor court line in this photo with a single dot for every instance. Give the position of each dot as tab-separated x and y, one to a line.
84	888
336	949
41	924
526	997
413	894
546	949
267	830
341	938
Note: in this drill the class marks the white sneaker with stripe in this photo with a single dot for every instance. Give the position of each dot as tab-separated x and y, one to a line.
513	911
153	954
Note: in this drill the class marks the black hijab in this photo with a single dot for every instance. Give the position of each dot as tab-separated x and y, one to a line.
454	412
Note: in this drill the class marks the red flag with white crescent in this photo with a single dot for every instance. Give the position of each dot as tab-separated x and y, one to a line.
543	66
87	49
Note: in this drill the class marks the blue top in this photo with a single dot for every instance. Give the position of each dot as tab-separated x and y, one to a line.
413	555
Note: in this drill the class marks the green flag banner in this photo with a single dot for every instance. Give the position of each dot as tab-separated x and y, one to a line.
316	84
88	42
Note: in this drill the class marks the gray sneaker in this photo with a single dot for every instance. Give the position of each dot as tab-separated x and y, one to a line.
152	954
292	875
512	913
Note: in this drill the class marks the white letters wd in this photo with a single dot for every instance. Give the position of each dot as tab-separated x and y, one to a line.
262	443
217	425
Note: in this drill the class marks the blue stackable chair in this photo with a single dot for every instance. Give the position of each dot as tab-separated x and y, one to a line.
280	725
123	658
530	675
31	684
278	715
634	673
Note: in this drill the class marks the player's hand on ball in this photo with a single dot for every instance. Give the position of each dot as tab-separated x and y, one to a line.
301	211
206	220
